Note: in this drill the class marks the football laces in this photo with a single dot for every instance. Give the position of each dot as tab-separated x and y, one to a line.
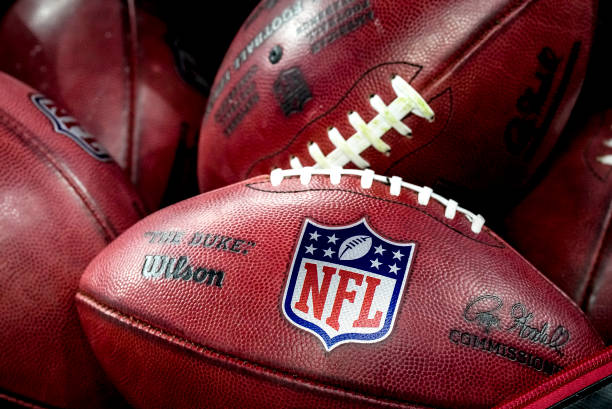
395	186
408	101
606	159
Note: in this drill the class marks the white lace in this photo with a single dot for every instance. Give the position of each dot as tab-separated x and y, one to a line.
606	159
370	134
395	184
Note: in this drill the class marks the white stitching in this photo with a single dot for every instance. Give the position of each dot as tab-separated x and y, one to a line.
606	159
425	195
318	156
367	176
388	117
340	143
451	209
335	174
395	185
306	176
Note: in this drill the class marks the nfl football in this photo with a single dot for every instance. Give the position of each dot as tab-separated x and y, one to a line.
465	96
62	200
114	66
249	296
563	225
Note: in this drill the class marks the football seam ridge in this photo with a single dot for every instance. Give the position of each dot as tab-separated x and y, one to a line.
395	183
37	147
495	24
498	243
131	46
236	362
580	369
22	402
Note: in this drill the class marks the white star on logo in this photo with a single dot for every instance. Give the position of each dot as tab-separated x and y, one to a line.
314	236
375	263
379	250
310	249
332	238
398	255
328	252
393	269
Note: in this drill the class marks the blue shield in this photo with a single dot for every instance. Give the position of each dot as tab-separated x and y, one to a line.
345	283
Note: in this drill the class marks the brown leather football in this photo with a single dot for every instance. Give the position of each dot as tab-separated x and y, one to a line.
339	289
62	200
114	66
465	96
563	225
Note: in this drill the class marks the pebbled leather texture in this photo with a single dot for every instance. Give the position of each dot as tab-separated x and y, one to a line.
109	62
563	225
176	343
501	77
59	207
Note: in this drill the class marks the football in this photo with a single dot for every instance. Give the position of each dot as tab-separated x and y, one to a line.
113	64
467	96
62	200
354	247
245	297
562	225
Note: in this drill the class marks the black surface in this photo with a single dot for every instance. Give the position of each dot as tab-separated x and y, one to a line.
596	396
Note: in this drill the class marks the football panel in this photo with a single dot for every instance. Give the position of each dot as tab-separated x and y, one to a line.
144	360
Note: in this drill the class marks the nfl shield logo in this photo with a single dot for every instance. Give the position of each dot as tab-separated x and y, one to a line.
291	90
345	283
68	126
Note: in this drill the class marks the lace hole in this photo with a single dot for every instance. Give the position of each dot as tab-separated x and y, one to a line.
276	54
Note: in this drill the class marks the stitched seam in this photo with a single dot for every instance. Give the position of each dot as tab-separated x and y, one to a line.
141	325
485	229
495	24
569	375
34	144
